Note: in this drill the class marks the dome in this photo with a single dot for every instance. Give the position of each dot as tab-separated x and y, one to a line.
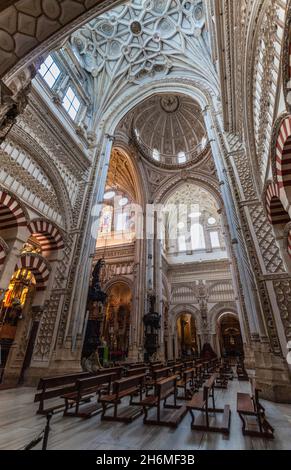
169	128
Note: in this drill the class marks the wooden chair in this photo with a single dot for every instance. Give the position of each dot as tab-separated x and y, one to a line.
87	388
250	406
200	402
54	387
122	388
164	389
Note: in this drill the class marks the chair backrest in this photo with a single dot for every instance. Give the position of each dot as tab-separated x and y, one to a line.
117	370
51	382
139	371
166	386
83	384
128	383
161	373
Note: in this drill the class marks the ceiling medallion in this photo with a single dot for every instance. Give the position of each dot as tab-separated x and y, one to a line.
135	27
169	103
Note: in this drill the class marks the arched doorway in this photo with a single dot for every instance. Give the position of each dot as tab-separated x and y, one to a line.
13	308
187	335
229	334
116	326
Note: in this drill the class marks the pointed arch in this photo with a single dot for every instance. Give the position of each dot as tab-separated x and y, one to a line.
12	213
3	252
274	206
47	234
38	266
283	152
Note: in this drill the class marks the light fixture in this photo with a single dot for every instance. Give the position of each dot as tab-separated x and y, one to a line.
109	195
123	201
212	221
181	225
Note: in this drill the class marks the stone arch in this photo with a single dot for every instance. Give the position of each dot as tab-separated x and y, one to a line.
12	213
172	185
140	189
21	139
178	310
38	266
3	252
281	157
220	309
47	234
118	280
276	212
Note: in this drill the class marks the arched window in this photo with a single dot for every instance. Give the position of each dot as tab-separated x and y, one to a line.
181	157
106	219
197	237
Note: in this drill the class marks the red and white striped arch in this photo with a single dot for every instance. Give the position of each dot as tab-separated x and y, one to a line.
46	234
3	252
38	266
11	212
289	243
283	154
275	209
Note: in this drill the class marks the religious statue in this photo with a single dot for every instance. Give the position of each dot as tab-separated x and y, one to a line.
95	292
152	323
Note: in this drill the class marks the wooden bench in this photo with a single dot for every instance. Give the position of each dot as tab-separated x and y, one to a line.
164	389
177	369
187	384
242	374
153	367
55	387
119	371
155	376
85	388
248	405
139	371
127	387
200	402
222	379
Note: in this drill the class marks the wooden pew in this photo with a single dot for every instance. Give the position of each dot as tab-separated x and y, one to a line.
164	389
126	387
242	374
222	379
139	371
85	388
250	406
200	402
136	365
55	387
187	384
177	369
156	366
155	376
119	371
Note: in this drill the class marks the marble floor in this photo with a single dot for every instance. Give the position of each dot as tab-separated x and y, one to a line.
19	425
